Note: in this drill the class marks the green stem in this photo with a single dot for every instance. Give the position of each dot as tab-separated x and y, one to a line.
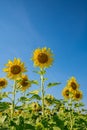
13	99
42	91
71	122
71	118
24	100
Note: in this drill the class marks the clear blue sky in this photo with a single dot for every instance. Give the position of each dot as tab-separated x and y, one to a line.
59	24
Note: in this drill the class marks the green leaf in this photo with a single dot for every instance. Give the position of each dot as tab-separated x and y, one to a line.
4	94
40	72
23	99
34	82
18	107
34	92
59	122
53	84
36	71
45	79
29	127
35	96
43	72
4	106
12	123
2	119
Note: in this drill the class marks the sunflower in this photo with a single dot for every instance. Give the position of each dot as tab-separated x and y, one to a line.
23	82
77	95
66	93
49	100
3	83
72	84
14	68
35	106
42	58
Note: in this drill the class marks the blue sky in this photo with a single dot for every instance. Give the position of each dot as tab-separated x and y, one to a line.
59	24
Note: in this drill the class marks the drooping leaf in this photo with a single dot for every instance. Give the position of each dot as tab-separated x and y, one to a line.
34	92
34	82
53	84
23	99
35	96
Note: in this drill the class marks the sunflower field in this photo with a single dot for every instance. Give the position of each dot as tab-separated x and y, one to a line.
22	109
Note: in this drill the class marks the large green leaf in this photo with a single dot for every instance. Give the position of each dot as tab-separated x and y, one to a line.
4	106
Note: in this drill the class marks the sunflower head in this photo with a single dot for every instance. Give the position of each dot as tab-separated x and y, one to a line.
66	93
72	84
23	82
14	68
42	58
35	106
49	99
17	113
3	83
77	95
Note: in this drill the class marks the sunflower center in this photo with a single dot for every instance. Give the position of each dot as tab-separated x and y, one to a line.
15	69
35	106
2	83
24	82
73	85
77	95
42	58
67	93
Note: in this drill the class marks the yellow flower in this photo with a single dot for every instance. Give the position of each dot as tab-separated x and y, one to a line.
47	111
3	83
72	84
42	58
17	113
14	68
49	99
35	106
66	93
77	95
23	82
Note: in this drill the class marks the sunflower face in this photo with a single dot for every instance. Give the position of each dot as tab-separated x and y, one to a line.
3	83
72	84
24	83
35	106
14	68
42	58
77	95
49	99
66	93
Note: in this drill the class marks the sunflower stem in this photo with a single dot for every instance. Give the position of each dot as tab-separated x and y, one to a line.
71	116
13	99
42	90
